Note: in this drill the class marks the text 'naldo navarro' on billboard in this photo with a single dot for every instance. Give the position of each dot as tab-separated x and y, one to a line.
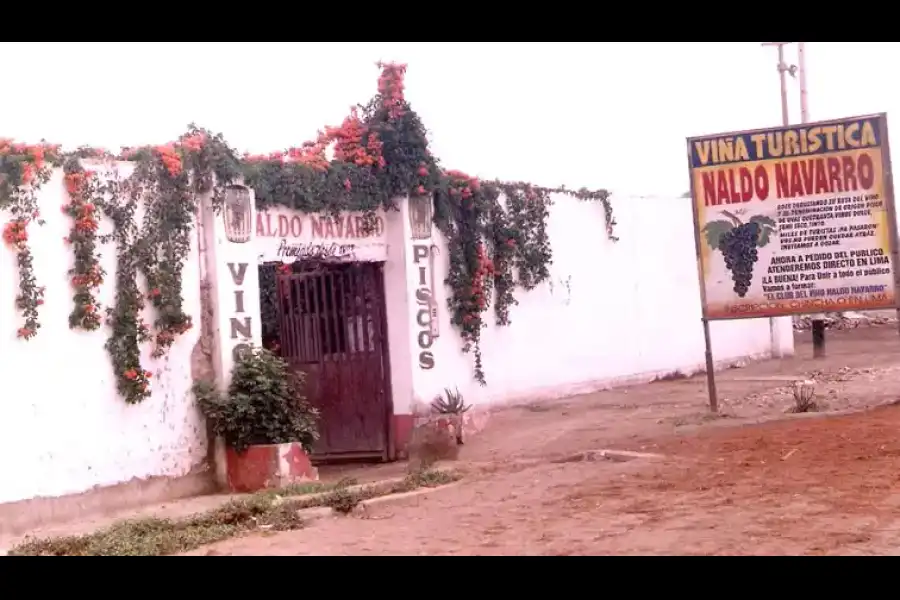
794	220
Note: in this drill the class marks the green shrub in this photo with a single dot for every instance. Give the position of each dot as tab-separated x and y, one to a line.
264	404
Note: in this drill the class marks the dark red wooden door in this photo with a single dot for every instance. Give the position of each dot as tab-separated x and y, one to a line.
333	330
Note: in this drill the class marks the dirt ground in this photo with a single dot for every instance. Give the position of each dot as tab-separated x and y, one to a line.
754	481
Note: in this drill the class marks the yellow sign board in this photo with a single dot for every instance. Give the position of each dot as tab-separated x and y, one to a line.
795	220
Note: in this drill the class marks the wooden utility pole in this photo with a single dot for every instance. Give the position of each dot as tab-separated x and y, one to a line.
818	321
798	71
801	78
783	69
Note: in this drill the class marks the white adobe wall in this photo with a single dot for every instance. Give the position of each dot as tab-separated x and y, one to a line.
612	313
63	427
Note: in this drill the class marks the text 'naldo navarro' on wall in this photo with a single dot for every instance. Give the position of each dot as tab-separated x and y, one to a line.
285	236
794	220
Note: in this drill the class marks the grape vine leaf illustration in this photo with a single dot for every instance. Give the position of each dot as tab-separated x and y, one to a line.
737	222
767	227
714	230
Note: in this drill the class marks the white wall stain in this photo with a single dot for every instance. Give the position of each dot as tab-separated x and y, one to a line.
561	286
63	427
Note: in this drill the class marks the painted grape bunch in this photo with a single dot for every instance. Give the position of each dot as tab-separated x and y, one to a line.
739	244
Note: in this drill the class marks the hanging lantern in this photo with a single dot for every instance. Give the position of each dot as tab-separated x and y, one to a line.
421	212
237	214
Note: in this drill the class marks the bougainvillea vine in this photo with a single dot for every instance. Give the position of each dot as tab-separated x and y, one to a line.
86	274
167	182
496	231
23	170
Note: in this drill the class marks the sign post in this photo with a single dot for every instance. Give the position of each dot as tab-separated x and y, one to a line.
793	220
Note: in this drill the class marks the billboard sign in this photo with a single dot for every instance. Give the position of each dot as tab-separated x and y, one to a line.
795	220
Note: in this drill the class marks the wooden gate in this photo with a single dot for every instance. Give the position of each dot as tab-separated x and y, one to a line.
333	330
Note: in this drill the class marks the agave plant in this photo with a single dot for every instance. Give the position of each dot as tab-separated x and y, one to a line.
451	403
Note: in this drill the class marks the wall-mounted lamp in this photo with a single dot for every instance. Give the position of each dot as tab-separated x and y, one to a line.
237	214
421	213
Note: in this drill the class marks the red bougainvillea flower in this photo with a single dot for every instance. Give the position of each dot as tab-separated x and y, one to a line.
37	156
27	173
390	88
15	233
374	147
311	154
75	181
348	142
170	159
193	143
260	158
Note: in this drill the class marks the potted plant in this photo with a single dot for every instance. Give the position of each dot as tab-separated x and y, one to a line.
266	423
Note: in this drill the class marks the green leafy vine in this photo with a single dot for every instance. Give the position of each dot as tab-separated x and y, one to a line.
86	274
496	231
23	170
381	153
166	182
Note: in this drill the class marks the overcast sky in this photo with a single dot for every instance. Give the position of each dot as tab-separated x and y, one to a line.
597	114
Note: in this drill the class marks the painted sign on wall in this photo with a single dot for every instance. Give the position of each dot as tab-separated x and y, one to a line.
240	324
285	236
426	325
